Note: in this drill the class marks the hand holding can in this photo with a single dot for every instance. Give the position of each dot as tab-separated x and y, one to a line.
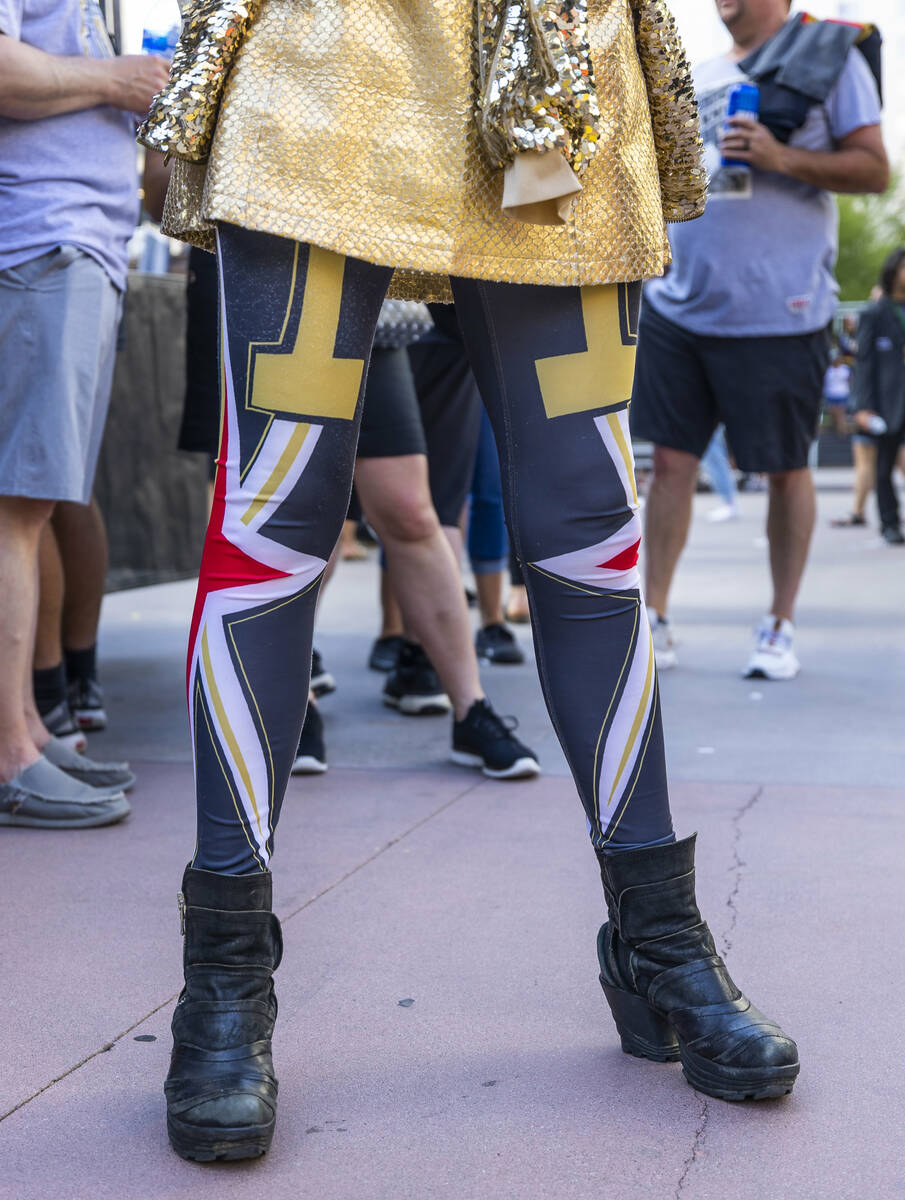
743	98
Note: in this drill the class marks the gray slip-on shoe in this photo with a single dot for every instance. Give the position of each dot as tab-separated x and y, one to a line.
44	797
107	776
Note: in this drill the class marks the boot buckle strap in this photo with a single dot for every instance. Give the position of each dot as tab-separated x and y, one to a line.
693	985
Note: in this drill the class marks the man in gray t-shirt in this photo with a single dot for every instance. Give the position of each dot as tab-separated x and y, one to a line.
68	202
736	332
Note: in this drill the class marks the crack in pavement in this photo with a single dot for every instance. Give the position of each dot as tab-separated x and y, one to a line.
700	1137
737	864
283	920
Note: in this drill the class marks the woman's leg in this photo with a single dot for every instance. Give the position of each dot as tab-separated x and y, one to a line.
865	455
296	331
555	369
297	324
488	544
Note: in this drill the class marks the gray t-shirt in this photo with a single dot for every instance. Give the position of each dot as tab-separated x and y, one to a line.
759	263
71	178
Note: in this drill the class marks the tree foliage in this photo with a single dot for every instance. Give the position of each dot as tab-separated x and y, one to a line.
870	227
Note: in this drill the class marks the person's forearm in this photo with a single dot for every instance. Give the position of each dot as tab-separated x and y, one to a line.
851	170
34	84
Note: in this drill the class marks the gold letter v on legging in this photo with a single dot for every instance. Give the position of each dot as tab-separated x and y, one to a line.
555	368
297	325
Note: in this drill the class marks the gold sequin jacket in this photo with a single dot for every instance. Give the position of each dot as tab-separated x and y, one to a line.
351	124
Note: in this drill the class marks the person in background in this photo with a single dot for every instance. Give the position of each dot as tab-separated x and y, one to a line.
880	387
517	611
68	203
837	386
488	552
848	338
864	458
737	330
414	463
72	575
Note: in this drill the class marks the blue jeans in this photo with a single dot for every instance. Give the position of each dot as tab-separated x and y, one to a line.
715	462
488	545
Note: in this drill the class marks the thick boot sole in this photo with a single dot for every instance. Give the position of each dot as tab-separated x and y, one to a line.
737	1083
200	1143
644	1033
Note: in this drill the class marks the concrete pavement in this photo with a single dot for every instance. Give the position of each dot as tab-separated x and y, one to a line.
401	878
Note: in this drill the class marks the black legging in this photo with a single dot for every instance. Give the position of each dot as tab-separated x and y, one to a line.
554	366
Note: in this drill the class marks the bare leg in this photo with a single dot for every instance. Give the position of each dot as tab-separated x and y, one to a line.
48	650
46	627
865	455
667	520
456	541
390	613
790	523
21	522
82	541
517	604
352	549
395	496
490	597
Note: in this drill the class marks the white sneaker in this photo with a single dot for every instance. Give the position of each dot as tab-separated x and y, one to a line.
665	641
725	512
773	656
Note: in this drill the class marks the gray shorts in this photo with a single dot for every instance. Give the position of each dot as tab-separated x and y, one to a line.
59	315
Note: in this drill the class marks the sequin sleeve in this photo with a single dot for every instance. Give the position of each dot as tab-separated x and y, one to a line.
535	80
673	110
183	116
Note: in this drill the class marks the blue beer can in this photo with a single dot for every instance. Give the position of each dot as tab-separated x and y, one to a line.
743	98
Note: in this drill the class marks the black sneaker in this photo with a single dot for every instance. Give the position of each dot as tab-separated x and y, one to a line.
311	756
413	686
385	653
86	702
484	739
893	535
322	682
497	644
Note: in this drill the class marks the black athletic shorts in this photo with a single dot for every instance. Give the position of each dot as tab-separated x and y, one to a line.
390	419
425	401
766	390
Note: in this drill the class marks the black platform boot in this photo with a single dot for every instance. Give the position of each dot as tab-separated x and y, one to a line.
221	1090
669	991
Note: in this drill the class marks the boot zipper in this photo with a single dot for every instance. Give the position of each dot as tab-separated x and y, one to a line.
180	902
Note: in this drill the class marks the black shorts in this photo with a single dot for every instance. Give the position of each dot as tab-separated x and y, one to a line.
766	390
390	419
425	401
200	429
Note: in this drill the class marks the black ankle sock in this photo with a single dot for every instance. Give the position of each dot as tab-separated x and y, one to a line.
50	688
81	664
